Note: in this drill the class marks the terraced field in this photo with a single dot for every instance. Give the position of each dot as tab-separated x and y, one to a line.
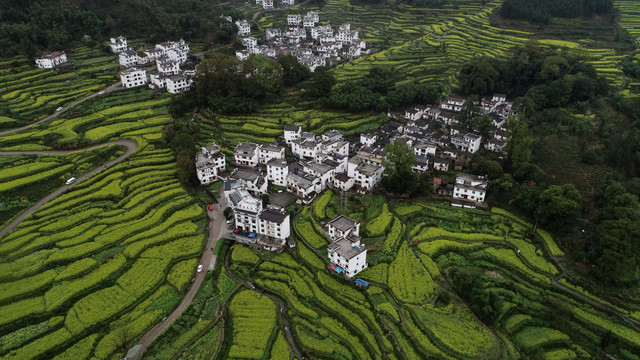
89	272
28	94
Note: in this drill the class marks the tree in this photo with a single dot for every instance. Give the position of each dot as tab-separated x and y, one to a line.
470	110
478	77
558	205
399	159
186	170
321	83
292	71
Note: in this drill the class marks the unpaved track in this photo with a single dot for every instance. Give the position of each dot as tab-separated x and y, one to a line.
129	144
217	227
70	105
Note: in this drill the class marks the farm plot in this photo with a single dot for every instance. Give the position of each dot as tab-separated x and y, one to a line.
30	94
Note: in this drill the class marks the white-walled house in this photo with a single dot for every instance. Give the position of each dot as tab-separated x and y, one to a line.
470	188
246	208
292	133
277	171
210	164
51	60
294	20
133	77
343	227
274	223
441	164
453	104
303	185
474	141
288	2
255	183
177	84
168	67
118	44
366	174
350	257
268	152
368	139
244	28
343	182
305	148
246	154
128	58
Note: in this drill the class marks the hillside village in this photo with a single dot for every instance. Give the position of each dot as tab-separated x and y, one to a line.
332	161
311	43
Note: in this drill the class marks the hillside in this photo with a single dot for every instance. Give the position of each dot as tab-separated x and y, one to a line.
94	271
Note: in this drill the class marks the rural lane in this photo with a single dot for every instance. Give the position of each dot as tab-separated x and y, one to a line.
217	228
129	144
70	105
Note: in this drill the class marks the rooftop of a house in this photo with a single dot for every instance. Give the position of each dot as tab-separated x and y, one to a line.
293	127
274	216
244	174
367	169
318	167
129	52
272	148
277	162
345	249
343	223
342	177
245	148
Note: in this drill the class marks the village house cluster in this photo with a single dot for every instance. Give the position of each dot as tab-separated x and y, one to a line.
333	161
167	56
51	60
311	43
269	4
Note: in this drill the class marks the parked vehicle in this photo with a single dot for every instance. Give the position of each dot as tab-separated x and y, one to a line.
200	268
71	181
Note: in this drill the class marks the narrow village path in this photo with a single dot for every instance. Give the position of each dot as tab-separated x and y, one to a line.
217	228
129	144
70	105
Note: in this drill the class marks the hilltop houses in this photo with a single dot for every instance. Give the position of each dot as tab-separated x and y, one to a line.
118	44
312	44
168	57
51	60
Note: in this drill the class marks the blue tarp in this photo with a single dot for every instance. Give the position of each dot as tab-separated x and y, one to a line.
362	283
339	270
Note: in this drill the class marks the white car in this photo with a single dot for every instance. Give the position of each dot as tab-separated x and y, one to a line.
200	267
59	109
101	93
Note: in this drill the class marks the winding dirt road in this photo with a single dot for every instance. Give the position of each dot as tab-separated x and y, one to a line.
129	144
217	228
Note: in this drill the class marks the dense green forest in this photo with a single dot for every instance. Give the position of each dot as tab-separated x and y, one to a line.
541	11
27	26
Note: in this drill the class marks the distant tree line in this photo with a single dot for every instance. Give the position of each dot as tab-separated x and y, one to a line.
26	26
541	11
